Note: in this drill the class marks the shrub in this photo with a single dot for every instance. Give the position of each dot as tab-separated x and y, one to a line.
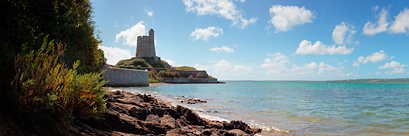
186	68
162	73
198	75
153	81
190	77
42	83
176	75
169	74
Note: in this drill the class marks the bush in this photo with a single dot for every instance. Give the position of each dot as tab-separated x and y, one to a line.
186	68
190	77
198	75
42	83
176	75
162	73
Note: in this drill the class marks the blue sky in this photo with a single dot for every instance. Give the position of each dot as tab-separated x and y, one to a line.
264	39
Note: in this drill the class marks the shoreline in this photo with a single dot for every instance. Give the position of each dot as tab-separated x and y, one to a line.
163	83
130	113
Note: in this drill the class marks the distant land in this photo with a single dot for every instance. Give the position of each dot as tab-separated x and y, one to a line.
396	80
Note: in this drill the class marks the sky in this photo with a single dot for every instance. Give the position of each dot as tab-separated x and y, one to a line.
264	39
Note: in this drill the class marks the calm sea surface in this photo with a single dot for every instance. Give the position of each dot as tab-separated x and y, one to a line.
300	108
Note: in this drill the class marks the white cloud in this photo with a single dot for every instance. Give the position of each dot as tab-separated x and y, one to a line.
318	48
200	67
327	68
375	57
378	27
391	65
222	66
130	35
115	54
243	69
341	30
355	64
283	18
396	71
312	65
149	13
401	23
222	49
349	74
205	33
170	62
277	65
223	8
378	73
241	1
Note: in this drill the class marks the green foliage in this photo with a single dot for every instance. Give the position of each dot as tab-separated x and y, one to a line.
154	76
29	21
153	81
162	73
176	75
198	75
186	68
43	83
133	62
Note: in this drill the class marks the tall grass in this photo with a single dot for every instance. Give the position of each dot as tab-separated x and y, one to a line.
42	83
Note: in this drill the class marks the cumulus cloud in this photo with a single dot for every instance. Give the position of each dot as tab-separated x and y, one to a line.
401	23
391	65
222	49
222	66
343	33
243	69
205	33
115	54
278	62
222	8
318	48
378	27
283	18
327	68
374	57
130	35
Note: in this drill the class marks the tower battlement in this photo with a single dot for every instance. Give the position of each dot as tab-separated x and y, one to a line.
146	45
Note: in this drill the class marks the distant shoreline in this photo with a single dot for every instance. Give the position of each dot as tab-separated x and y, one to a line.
396	80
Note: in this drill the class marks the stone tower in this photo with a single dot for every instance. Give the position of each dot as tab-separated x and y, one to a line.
146	45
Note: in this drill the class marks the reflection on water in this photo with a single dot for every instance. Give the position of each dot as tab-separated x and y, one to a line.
300	107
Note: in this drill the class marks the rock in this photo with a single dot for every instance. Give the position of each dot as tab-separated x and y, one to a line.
168	120
153	118
137	114
191	101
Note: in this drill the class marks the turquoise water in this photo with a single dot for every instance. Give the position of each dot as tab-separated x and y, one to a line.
300	108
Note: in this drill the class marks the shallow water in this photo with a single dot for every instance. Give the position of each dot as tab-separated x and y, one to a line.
300	108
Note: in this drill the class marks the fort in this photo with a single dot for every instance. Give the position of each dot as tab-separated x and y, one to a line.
134	71
146	46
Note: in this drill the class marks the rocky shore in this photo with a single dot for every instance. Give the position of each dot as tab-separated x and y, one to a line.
126	114
137	114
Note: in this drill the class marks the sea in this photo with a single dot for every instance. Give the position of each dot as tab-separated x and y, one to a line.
298	108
